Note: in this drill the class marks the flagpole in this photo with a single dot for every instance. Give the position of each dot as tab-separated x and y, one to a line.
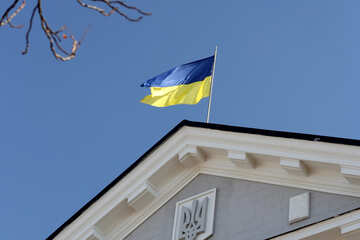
211	86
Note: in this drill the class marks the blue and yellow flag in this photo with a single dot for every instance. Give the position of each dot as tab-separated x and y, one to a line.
185	84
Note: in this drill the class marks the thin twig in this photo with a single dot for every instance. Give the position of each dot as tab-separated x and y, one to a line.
54	37
50	35
110	4
131	7
27	35
98	9
5	19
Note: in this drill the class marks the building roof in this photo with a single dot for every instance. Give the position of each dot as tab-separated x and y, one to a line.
226	128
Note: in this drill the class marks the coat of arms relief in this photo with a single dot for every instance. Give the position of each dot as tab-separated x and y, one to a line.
194	217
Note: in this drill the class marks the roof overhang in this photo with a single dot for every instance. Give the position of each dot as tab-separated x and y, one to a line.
297	160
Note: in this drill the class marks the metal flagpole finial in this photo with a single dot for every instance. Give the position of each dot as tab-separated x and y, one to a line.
211	85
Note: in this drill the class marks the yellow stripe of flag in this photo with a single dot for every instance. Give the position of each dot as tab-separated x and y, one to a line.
180	94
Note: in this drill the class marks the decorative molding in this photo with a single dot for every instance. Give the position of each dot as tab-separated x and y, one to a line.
191	155
191	151
350	227
351	173
241	159
94	234
333	223
294	166
142	196
171	189
324	180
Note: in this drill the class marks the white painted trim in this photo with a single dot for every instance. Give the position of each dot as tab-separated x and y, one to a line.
314	229
294	166
137	219
219	168
326	154
190	155
350	227
142	196
351	173
94	233
241	159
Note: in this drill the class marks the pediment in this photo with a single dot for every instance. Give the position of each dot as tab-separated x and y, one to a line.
191	151
246	210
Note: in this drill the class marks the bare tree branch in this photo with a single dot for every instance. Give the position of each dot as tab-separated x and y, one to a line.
27	35
111	5
130	7
5	19
100	10
7	11
54	37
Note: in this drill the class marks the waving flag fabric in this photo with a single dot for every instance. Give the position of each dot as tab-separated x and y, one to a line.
185	84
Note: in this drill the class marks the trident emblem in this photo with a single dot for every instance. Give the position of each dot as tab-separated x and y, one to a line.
193	221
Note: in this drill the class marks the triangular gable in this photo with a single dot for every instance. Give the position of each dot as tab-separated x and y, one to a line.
311	162
246	210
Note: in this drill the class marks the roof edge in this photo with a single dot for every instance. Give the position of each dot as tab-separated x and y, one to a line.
116	180
213	126
274	133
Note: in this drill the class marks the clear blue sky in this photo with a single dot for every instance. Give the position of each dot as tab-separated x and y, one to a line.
68	129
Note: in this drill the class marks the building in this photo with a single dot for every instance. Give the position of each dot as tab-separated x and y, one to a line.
217	182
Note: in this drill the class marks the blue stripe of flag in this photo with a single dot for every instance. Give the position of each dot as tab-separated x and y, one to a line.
184	74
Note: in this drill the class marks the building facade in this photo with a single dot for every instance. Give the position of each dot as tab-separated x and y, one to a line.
209	181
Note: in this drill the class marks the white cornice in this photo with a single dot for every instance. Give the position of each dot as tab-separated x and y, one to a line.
190	151
346	223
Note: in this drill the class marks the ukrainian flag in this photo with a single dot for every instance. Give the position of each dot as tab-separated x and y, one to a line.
185	84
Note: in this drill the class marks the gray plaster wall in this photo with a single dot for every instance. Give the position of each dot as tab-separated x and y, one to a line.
245	210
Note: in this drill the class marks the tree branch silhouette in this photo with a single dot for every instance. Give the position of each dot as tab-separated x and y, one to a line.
56	37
